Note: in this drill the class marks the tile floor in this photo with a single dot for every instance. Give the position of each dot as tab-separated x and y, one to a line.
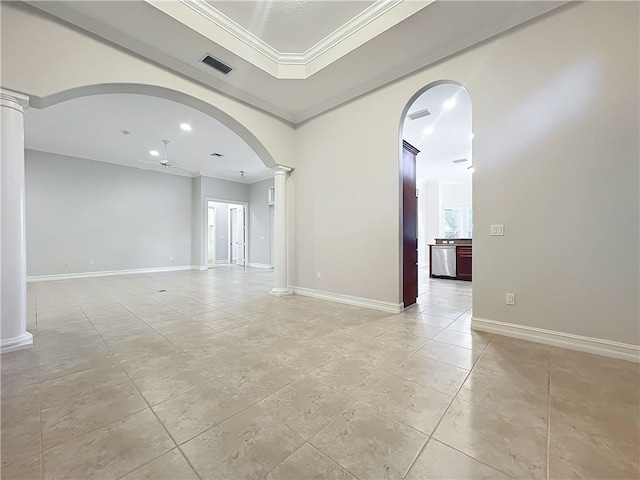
213	378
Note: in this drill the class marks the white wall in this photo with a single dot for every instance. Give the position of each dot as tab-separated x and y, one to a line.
555	115
456	195
122	218
260	223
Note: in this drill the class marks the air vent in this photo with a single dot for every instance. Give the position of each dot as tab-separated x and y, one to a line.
419	114
460	160
217	64
216	154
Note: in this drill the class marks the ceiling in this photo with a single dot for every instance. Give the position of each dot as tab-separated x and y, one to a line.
296	59
442	136
91	127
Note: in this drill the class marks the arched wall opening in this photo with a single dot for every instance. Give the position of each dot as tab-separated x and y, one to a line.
435	165
167	94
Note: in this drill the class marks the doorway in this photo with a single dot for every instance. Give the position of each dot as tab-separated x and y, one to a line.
437	123
226	233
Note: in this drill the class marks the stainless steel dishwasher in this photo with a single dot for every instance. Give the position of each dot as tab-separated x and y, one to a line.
443	260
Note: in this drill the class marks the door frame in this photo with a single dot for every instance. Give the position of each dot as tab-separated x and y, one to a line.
204	220
403	117
212	261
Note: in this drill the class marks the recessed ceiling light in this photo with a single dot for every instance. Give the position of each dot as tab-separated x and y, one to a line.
186	127
449	104
154	153
428	131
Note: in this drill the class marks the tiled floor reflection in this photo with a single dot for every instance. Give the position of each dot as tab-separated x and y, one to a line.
213	378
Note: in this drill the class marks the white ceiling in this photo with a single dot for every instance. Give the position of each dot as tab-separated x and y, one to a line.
91	127
442	136
393	39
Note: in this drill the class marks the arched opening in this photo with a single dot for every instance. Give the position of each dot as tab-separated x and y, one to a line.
436	200
130	219
167	94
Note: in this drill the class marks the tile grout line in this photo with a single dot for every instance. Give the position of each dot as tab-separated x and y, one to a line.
445	412
148	406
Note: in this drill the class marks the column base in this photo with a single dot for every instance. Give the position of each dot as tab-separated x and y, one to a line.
22	342
280	292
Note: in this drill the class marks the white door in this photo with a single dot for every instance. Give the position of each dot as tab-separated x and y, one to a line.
211	236
240	234
233	231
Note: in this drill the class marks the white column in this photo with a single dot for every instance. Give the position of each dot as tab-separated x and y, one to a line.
280	287
13	257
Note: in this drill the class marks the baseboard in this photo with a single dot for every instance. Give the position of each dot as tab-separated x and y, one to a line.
607	348
109	273
259	265
348	299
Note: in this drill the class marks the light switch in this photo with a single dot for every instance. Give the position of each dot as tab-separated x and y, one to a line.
497	230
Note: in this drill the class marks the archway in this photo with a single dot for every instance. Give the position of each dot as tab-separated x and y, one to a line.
435	139
168	94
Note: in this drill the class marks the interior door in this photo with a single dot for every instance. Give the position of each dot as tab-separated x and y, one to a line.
211	236
409	225
240	236
233	230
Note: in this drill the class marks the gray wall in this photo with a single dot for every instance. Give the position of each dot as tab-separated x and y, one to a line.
122	218
260	223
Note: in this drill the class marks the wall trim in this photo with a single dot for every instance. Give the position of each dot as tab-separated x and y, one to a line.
109	273
598	346
260	265
348	299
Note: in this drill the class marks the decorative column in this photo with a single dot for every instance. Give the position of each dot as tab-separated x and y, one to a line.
280	287
13	258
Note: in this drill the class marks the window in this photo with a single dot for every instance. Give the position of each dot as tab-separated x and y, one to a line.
458	223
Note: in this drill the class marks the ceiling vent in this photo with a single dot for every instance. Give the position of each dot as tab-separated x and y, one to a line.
460	160
217	64
419	114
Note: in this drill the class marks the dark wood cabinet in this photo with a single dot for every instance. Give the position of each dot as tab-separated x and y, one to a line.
463	262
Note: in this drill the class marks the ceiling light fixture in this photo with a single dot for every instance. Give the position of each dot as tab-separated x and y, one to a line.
186	127
449	104
154	153
471	135
428	131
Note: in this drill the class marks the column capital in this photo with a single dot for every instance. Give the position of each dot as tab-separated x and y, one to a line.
15	100
282	170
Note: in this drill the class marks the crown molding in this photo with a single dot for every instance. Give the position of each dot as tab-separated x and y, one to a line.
219	28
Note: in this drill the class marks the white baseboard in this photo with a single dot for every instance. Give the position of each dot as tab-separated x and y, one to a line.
259	265
348	299
607	348
109	273
198	267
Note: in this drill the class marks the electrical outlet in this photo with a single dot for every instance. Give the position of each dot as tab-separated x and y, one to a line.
497	230
171	259
319	275
511	298
91	262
